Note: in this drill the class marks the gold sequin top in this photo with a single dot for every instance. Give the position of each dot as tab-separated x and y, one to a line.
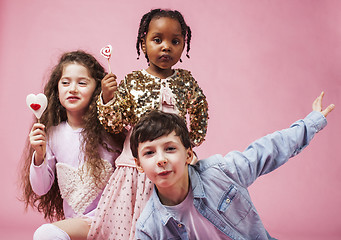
139	93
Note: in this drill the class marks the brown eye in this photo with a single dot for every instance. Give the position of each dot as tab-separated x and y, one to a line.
64	82
170	149
176	41
157	40
148	153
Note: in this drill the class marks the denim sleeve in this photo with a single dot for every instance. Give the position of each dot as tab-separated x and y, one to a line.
270	152
141	235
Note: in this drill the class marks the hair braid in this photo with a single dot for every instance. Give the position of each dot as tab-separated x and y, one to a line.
158	13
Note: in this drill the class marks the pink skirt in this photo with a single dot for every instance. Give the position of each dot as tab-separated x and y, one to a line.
121	204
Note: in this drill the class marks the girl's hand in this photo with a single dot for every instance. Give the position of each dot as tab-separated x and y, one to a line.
317	105
38	142
109	87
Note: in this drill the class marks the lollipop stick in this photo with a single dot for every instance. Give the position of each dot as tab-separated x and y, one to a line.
109	66
42	147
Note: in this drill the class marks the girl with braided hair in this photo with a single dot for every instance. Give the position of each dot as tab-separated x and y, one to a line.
69	156
162	36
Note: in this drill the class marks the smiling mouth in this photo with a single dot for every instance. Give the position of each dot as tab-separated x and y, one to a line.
164	173
72	98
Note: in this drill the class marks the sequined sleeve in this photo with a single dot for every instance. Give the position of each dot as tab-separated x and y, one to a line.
119	112
197	108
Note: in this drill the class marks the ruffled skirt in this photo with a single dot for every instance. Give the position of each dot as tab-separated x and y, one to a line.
121	204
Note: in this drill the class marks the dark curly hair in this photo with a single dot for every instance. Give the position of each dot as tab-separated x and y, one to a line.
51	204
156	124
159	13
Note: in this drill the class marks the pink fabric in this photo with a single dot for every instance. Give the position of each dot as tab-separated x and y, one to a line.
64	148
271	59
126	193
167	99
121	204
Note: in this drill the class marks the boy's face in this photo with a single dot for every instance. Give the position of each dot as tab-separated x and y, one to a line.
164	161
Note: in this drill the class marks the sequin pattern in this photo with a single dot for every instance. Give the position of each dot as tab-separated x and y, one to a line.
139	93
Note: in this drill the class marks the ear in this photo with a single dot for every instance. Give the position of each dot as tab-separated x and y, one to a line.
143	45
190	155
138	166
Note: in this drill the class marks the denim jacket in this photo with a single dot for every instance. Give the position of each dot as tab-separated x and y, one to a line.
219	185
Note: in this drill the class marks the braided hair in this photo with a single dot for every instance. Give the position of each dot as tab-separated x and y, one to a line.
159	13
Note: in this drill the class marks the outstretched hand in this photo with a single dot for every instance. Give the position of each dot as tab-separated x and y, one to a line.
317	106
109	87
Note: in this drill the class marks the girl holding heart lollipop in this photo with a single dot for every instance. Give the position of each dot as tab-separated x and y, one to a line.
69	156
162	36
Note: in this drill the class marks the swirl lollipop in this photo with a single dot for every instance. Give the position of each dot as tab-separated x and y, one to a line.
106	52
37	103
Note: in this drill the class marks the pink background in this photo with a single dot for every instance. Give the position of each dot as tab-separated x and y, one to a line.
260	63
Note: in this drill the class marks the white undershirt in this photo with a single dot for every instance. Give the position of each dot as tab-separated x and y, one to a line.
197	226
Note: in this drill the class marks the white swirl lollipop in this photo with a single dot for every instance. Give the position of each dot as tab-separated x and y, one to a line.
106	52
37	103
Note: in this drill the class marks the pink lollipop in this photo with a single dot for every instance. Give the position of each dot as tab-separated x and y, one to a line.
37	103
106	52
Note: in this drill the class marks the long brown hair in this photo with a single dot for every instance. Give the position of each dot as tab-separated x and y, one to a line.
51	204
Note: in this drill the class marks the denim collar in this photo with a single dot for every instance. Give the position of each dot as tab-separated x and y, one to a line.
198	192
196	183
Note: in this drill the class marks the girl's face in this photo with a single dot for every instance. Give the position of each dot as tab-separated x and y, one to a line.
75	88
163	44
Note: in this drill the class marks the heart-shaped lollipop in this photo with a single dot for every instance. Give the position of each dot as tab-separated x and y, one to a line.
106	52
37	103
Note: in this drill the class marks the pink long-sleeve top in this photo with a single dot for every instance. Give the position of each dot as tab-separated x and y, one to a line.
64	158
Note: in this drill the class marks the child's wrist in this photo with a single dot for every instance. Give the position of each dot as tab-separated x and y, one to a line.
38	159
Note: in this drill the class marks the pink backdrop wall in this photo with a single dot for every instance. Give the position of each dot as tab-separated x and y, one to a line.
260	63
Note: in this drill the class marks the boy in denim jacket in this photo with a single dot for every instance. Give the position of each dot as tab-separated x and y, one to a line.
209	200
